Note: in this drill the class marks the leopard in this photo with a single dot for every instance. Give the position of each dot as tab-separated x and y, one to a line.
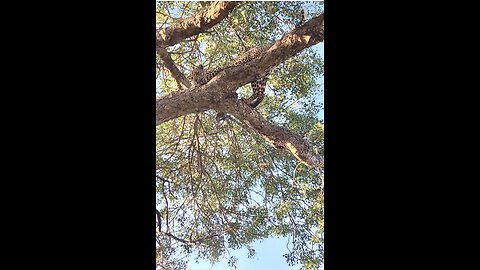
200	76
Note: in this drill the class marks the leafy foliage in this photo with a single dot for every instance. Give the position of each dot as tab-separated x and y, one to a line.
221	186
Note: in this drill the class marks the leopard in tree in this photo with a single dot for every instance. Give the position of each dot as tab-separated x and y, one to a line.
258	84
200	76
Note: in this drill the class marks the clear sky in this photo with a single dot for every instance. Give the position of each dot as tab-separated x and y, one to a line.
268	257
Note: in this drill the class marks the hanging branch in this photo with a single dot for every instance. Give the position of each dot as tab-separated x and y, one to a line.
182	81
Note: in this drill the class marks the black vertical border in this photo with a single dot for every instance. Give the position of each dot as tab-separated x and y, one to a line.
90	151
368	178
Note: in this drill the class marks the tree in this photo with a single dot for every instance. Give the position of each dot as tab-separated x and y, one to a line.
230	172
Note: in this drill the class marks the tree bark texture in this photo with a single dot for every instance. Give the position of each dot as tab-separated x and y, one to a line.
220	92
196	24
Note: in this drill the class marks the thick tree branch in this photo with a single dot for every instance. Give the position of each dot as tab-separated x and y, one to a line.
170	65
277	136
298	39
180	103
219	92
228	81
234	76
195	24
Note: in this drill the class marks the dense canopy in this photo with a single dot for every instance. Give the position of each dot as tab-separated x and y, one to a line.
257	171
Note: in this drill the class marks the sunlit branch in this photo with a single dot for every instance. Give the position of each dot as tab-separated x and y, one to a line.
195	24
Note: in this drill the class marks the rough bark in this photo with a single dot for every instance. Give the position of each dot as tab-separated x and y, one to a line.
219	93
180	103
277	136
194	25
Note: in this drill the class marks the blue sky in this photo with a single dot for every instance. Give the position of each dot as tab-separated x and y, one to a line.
268	257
